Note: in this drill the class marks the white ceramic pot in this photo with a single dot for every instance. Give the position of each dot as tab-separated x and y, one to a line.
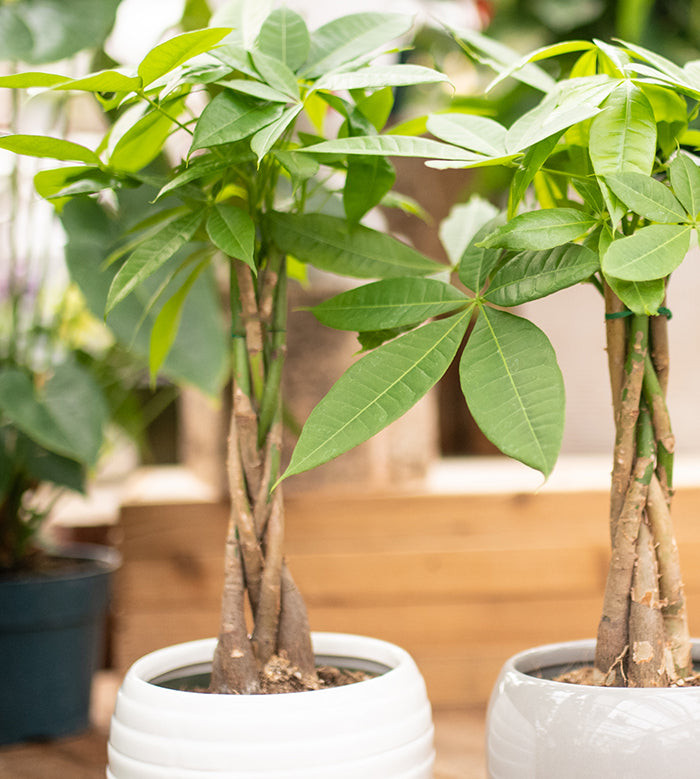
377	729
551	730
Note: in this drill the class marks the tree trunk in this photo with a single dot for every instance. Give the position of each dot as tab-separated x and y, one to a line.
254	565
643	637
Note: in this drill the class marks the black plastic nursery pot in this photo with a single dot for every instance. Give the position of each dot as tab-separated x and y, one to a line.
52	629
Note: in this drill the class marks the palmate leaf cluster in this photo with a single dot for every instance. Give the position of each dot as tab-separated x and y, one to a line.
604	189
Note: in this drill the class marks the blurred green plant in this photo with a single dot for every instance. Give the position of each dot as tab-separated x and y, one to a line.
65	377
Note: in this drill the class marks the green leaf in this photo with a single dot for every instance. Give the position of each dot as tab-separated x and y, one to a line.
284	35
232	231
174	52
546	52
31	79
199	356
470	131
377	390
377	107
379	76
388	304
524	174
684	175
300	167
477	262
348	37
501	58
664	66
255	89
245	17
641	297
151	255
670	113
265	139
144	141
371	339
544	121
46	466
651	253
76	403
458	230
589	190
532	275
71	180
514	388
367	181
231	117
647	197
40	31
168	321
623	135
276	73
105	81
329	243
43	146
393	146
201	167
543	229
66	417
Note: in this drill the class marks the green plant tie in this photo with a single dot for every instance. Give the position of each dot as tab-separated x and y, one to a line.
663	311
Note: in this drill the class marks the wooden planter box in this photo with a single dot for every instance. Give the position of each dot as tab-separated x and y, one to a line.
460	581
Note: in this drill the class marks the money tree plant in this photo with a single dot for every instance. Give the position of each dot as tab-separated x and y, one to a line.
605	190
230	105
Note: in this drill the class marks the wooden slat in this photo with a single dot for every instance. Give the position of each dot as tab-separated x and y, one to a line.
347	579
460	581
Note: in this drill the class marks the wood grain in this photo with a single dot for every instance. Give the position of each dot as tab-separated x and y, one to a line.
460	581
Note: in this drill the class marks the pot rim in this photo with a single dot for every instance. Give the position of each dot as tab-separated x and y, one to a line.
107	560
523	664
329	645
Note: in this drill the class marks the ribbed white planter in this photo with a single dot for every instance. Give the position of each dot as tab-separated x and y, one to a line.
376	729
552	730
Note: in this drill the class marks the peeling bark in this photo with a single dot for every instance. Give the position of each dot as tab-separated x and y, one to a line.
670	582
613	633
294	635
234	669
646	661
267	616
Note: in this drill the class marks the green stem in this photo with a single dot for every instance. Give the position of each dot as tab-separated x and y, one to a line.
239	354
270	403
654	396
160	109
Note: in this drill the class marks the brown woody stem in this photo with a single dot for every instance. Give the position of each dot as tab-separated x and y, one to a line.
646	657
626	415
613	633
670	581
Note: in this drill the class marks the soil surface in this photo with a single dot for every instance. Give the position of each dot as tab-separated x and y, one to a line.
280	676
589	676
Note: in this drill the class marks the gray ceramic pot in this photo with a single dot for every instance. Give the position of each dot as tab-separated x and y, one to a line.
51	634
551	730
